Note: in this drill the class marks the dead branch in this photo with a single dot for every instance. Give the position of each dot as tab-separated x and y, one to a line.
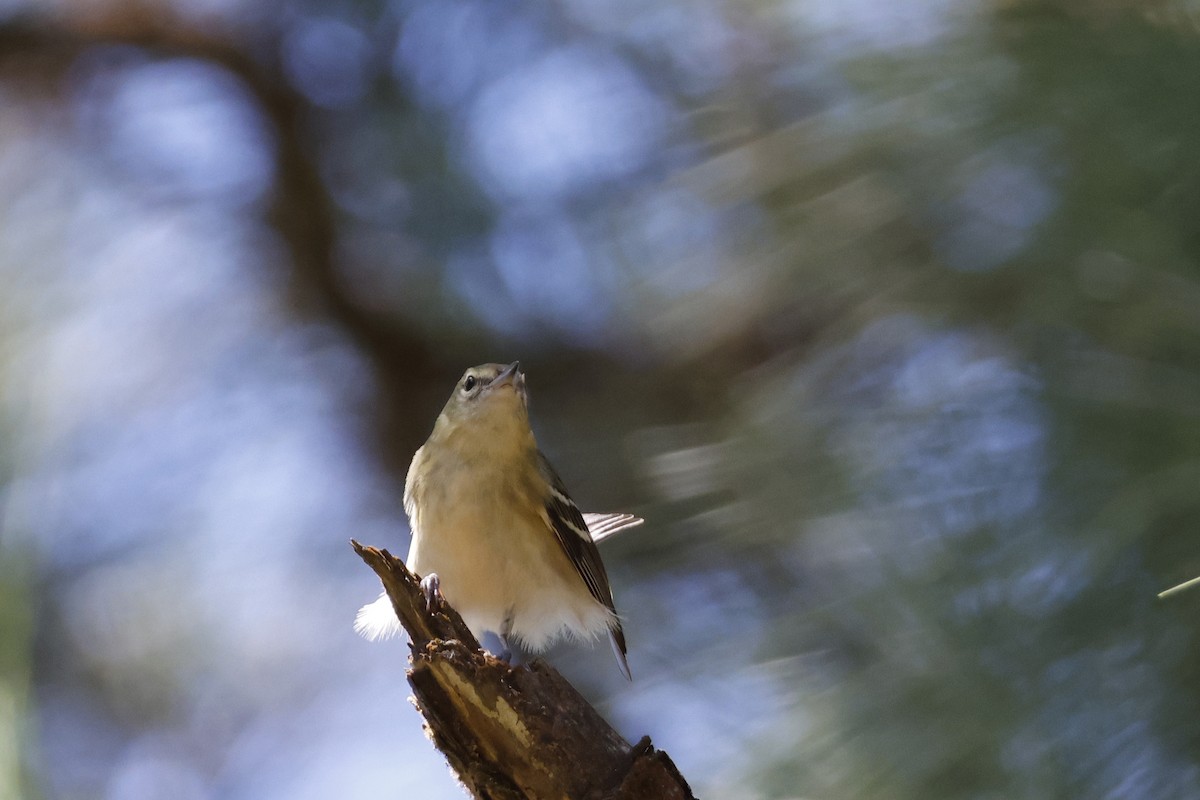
513	732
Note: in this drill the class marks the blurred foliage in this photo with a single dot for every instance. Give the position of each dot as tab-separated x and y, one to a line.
16	678
884	315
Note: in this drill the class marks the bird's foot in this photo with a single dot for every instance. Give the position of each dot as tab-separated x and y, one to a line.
506	652
431	587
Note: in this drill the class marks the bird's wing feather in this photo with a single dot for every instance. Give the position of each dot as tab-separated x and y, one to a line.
602	526
412	483
572	533
574	536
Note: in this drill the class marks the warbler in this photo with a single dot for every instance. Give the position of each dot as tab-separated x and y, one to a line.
494	529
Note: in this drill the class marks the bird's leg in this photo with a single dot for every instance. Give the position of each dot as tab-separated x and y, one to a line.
431	588
506	654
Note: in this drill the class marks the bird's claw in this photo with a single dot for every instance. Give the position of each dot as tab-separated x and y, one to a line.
431	588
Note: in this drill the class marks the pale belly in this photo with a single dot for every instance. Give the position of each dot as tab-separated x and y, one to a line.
503	572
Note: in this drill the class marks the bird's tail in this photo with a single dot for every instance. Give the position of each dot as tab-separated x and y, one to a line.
602	526
377	621
617	638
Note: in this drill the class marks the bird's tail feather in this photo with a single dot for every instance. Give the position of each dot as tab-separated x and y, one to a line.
617	637
602	526
377	621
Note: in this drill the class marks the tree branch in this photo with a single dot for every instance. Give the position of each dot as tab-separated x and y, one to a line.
513	732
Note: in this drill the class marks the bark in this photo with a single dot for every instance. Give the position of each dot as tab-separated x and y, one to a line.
513	732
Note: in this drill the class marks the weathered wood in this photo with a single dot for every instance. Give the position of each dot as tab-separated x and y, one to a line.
513	732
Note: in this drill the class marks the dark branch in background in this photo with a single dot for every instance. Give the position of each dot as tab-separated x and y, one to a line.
301	209
508	732
405	358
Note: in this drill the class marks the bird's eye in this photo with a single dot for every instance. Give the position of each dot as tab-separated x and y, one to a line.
469	383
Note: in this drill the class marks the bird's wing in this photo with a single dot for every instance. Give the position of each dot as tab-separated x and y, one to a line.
576	541
572	533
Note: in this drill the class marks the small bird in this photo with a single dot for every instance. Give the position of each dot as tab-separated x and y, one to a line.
494	529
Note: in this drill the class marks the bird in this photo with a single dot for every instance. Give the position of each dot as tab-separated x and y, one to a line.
494	531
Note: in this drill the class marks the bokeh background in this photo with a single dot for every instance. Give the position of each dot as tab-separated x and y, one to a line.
884	314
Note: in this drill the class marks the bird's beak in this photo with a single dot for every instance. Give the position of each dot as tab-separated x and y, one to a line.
510	375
